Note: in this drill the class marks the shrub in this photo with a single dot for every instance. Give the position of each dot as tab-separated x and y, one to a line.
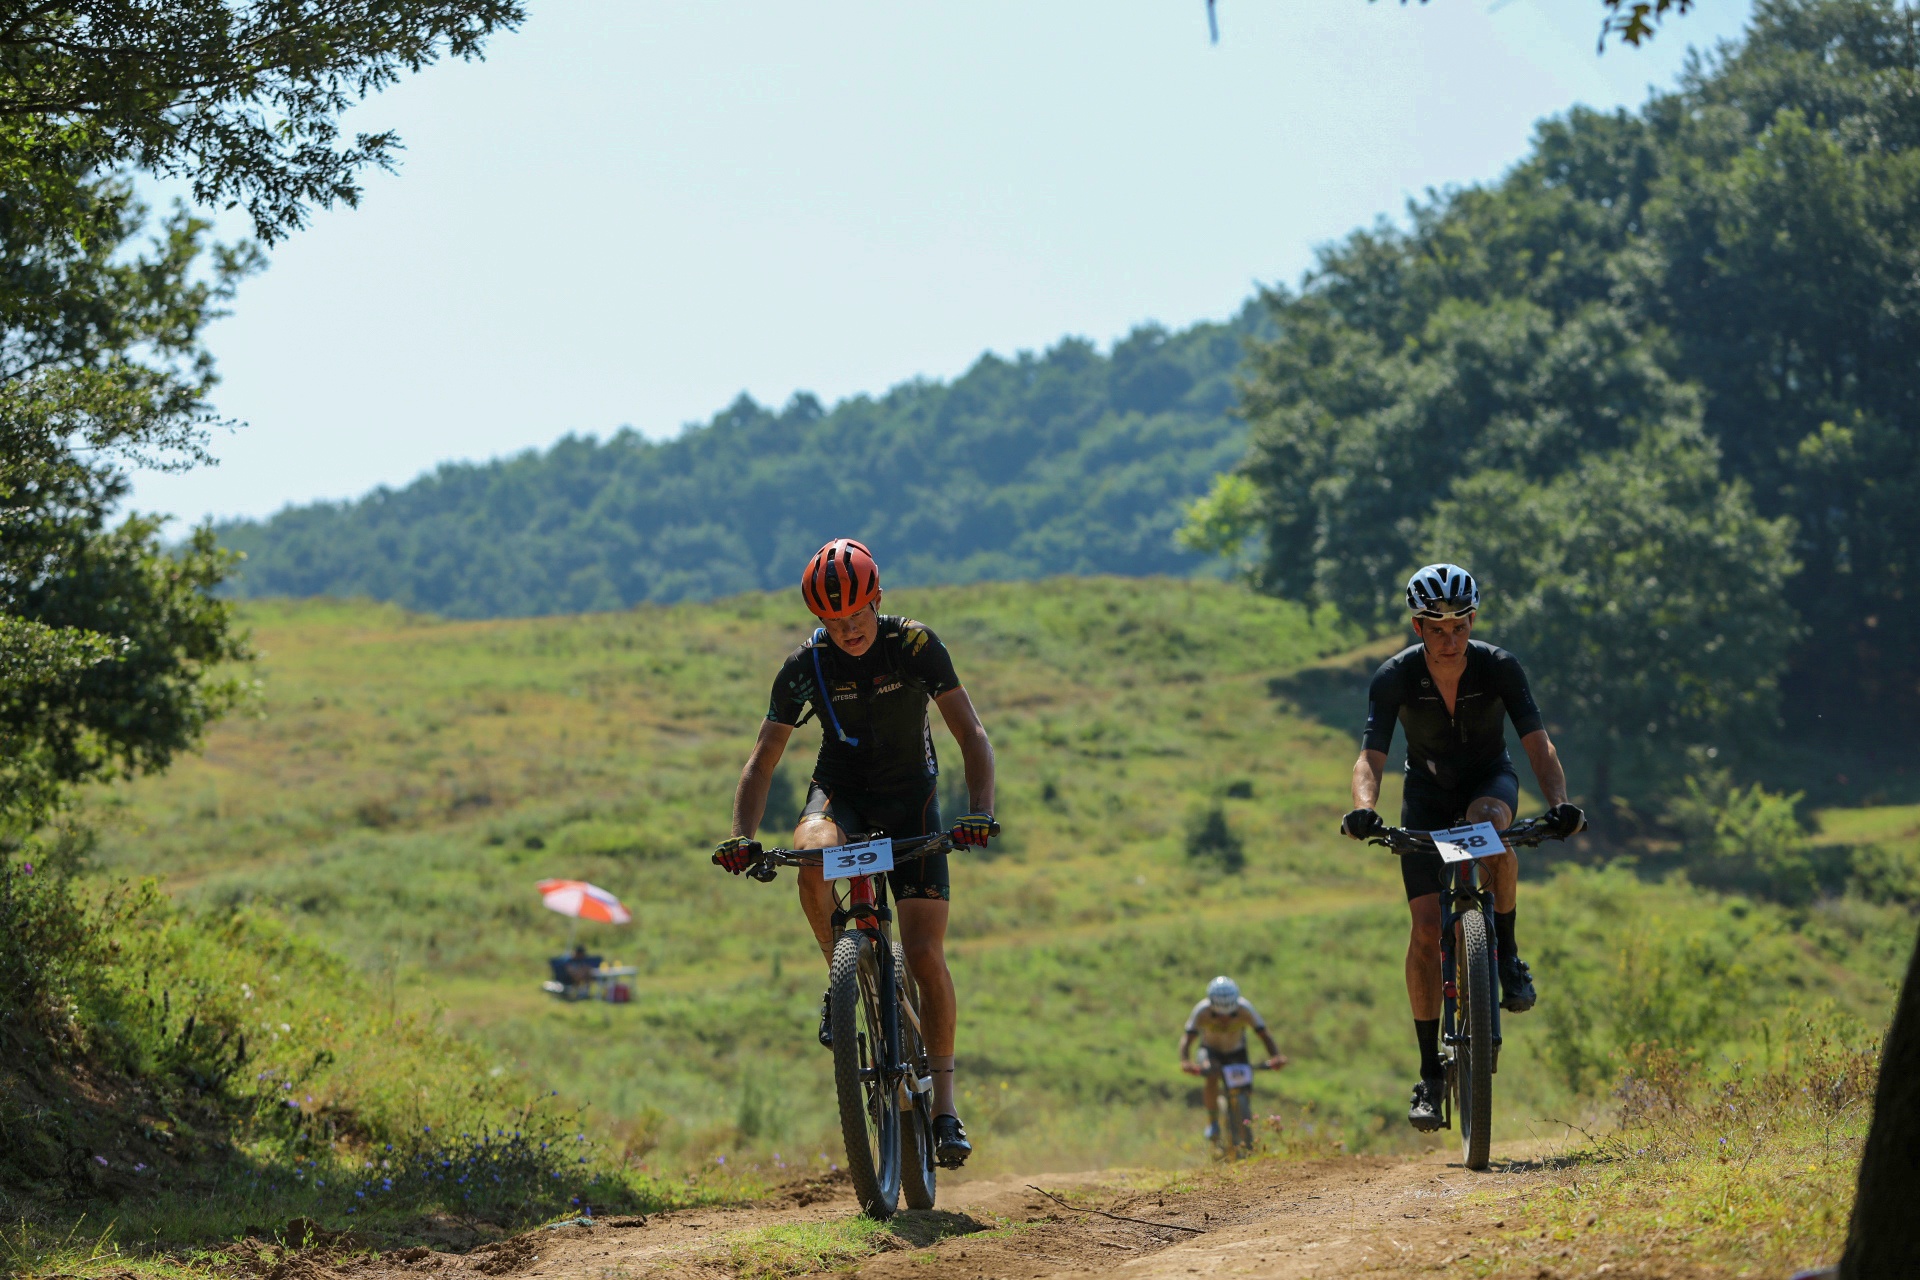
1210	840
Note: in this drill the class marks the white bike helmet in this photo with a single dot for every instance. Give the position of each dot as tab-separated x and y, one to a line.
1442	591
1223	993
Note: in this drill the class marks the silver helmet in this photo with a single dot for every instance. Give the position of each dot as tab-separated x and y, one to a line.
1223	993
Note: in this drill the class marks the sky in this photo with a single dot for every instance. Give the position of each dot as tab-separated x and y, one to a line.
631	212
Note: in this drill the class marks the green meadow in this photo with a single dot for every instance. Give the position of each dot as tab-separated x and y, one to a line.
1173	759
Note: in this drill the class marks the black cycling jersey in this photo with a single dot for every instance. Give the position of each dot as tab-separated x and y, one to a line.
878	702
1451	748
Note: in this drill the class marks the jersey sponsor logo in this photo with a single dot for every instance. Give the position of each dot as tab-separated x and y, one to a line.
846	691
887	684
913	635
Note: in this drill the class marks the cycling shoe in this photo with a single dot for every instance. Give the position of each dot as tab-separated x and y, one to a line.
1516	986
1424	1112
826	1020
950	1145
1213	1132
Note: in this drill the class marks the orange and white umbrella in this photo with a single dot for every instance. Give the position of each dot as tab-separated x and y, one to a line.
583	901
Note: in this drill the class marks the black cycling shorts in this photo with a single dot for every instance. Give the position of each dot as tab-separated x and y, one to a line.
1427	806
1222	1057
900	814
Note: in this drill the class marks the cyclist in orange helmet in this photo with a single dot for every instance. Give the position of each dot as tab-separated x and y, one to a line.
869	676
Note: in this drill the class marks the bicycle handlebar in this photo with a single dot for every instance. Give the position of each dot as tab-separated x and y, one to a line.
905	850
1521	835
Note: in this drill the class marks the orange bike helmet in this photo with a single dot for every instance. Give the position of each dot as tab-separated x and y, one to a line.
841	579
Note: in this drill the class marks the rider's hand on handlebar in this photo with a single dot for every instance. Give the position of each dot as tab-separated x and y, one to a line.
1192	1068
1566	819
737	854
1276	1062
973	828
1362	824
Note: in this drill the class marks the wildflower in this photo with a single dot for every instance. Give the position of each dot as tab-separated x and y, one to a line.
101	1161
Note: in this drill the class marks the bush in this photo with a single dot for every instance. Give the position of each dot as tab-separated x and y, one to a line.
1210	840
146	1052
1747	841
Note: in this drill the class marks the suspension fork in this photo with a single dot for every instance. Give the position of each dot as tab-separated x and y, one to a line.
1468	892
866	911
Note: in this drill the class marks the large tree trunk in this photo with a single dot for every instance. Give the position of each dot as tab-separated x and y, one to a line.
1883	1240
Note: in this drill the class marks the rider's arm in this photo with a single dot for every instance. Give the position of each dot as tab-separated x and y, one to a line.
1366	778
1266	1038
977	753
1546	767
1186	1043
1383	712
750	797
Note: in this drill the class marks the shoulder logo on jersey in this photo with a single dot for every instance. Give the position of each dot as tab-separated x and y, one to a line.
913	635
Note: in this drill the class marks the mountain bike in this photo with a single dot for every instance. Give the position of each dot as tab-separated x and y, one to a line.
1469	965
1233	1107
881	1076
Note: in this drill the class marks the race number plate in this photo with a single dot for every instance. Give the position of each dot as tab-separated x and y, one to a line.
869	858
1238	1075
1464	844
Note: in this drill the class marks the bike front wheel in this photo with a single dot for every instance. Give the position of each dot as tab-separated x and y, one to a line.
1240	1115
869	1115
1473	1072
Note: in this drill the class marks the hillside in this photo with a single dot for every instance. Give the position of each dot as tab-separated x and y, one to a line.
1072	461
405	780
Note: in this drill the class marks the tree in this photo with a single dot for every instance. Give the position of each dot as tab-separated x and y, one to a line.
1645	595
107	644
1740	250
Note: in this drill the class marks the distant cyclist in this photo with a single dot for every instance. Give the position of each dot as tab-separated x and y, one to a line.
868	676
1453	695
1220	1023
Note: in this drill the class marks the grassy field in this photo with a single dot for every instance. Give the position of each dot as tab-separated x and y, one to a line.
401	783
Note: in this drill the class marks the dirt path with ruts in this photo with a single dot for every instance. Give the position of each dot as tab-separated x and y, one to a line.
1336	1217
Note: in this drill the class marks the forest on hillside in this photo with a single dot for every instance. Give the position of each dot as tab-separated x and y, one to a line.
1072	461
1659	386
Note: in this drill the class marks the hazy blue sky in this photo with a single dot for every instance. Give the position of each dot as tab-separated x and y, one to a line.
636	209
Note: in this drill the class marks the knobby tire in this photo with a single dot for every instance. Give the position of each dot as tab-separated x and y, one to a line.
1240	1112
918	1168
1474	1077
869	1119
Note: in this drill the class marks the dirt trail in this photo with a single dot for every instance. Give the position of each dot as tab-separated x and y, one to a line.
1338	1217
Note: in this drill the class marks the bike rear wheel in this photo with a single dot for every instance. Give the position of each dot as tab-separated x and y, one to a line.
918	1167
869	1116
1473	1075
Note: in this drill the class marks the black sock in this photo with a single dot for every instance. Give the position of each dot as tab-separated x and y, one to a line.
1503	933
1427	1032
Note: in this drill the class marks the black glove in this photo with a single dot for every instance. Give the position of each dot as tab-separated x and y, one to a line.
1566	819
737	854
1362	824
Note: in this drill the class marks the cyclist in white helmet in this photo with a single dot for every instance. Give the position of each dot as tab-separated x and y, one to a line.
1220	1023
1453	694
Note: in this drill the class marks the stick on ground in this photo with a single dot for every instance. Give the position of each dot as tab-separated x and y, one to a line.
1117	1217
